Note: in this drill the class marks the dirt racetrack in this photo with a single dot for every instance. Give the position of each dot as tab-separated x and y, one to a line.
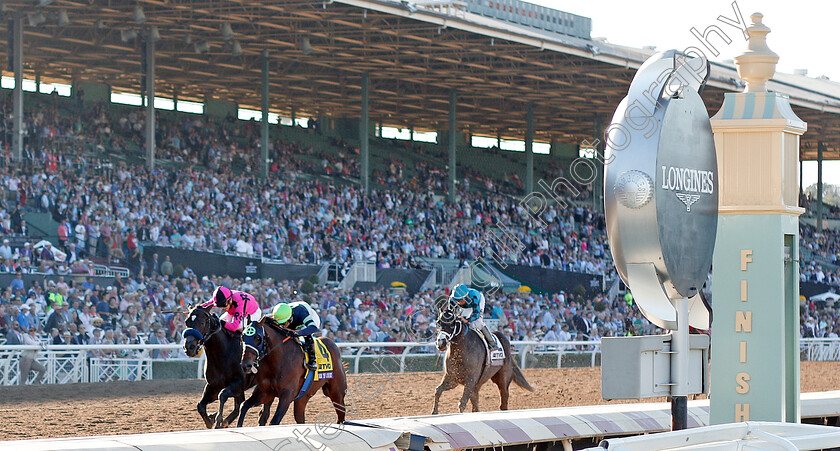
157	406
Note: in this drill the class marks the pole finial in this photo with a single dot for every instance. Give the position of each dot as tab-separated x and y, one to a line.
758	63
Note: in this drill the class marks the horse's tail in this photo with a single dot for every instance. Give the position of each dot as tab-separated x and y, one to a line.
519	379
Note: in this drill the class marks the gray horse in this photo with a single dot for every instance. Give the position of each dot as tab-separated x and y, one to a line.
465	363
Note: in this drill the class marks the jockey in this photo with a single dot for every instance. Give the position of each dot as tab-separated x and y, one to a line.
305	322
471	302
238	306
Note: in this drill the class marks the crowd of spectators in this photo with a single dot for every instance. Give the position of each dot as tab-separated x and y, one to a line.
304	213
150	310
108	212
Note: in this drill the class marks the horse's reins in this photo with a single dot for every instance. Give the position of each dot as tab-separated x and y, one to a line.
217	329
457	328
270	350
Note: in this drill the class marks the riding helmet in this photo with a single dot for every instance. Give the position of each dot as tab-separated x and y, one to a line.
474	295
459	292
221	295
282	313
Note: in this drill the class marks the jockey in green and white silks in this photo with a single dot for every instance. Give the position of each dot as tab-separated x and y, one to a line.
304	321
471	302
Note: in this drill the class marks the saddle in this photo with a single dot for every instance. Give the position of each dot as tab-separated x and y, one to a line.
323	359
495	357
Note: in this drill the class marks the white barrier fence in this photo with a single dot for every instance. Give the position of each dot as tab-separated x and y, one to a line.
67	364
75	363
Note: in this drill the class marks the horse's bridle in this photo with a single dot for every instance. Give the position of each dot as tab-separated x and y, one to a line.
270	350
215	325
458	327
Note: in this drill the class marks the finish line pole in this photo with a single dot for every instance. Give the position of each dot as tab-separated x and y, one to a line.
679	368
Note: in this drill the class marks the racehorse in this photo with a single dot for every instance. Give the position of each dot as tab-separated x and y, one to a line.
222	371
465	363
282	374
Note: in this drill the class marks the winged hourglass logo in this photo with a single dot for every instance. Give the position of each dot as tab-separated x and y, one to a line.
688	200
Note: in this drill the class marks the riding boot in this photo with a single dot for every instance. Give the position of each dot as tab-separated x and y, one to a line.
309	349
491	343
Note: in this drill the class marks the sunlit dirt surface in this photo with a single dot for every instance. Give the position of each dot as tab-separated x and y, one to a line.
157	406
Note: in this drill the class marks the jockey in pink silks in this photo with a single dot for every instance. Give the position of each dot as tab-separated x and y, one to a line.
237	305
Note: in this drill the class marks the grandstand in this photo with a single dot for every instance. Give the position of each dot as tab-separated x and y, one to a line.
309	225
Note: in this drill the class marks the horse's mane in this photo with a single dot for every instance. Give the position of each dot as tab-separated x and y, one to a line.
271	322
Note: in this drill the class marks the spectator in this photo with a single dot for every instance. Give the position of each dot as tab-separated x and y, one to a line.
17	283
47	255
24	318
159	337
6	250
14	334
166	268
28	360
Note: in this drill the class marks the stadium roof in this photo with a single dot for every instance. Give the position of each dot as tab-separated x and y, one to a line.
414	55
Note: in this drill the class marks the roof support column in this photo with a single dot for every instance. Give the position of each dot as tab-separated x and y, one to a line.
820	148
17	96
364	122
529	150
150	102
453	96
598	185
264	124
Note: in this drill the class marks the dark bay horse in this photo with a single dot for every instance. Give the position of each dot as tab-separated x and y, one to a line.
465	363
281	375
222	370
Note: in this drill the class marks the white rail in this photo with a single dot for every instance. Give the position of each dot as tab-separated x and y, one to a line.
66	364
82	363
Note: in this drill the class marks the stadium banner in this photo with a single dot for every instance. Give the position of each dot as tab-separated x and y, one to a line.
281	271
206	263
209	263
545	280
412	278
809	289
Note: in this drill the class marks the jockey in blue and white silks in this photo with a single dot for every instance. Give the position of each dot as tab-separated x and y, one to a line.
471	302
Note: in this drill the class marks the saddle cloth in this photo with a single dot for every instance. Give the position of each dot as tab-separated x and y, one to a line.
495	357
323	360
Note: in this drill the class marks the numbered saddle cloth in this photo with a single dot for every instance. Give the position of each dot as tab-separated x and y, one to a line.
323	360
495	357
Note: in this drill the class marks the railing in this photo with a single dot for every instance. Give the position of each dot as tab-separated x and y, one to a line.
359	272
323	273
72	363
110	271
820	349
333	274
66	364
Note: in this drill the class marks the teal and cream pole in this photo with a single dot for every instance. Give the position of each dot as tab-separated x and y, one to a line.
755	282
